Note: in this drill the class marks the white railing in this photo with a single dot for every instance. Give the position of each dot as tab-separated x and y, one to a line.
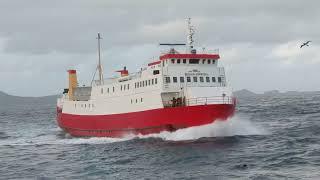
199	101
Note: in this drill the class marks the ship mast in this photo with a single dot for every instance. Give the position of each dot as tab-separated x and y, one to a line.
99	67
190	32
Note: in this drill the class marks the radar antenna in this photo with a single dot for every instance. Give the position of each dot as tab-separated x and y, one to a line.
191	32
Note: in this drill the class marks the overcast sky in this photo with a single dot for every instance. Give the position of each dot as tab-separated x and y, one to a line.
258	40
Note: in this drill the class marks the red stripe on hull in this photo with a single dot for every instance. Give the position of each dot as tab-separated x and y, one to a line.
144	122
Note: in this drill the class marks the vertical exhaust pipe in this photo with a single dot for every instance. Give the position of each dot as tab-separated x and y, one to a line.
73	83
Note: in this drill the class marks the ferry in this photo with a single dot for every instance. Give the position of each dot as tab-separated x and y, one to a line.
178	90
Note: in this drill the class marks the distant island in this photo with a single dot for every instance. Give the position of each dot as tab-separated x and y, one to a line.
6	99
246	93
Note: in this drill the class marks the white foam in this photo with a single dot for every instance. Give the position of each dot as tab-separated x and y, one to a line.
231	127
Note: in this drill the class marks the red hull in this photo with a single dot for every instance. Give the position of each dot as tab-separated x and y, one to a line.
144	122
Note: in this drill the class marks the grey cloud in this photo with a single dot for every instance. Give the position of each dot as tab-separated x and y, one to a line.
41	39
70	26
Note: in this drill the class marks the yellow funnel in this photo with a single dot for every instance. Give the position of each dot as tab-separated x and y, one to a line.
73	83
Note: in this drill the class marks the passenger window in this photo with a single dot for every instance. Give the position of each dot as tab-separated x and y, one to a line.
188	79
152	81
121	87
195	79
156	72
172	61
207	79
178	61
213	79
184	61
149	82
194	61
181	79
219	79
201	79
112	89
128	87
175	79
167	79
146	83
213	61
209	61
124	87
155	80
203	61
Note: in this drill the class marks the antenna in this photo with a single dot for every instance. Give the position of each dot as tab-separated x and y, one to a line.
99	67
191	32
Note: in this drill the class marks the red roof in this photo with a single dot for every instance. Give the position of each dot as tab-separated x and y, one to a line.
185	56
190	56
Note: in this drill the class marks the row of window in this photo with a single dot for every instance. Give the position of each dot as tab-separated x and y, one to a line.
193	61
136	100
125	87
84	105
194	79
146	83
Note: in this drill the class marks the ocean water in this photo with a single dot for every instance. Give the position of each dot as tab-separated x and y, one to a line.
271	137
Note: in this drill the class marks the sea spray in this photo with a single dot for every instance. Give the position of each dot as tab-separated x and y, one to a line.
230	127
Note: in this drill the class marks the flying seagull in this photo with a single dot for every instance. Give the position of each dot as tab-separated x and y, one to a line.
305	44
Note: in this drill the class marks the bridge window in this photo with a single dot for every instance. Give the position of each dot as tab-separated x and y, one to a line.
181	79
209	61
219	79
167	79
195	79
175	79
213	61
156	72
172	61
201	79
207	79
213	79
194	61
184	61
178	61
188	79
